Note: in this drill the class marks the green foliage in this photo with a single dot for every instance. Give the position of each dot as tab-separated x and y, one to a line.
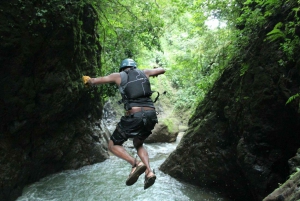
287	32
256	13
195	53
244	69
125	27
276	33
169	33
292	98
174	34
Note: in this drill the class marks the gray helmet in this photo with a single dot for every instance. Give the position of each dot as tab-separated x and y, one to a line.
127	63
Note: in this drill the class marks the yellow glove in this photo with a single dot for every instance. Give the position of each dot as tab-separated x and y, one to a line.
85	79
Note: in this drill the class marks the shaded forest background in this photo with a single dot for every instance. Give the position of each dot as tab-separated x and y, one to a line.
193	40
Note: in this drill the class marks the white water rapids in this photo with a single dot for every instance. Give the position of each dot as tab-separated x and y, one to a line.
106	182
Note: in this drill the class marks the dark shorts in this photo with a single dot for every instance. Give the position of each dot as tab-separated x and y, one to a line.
139	124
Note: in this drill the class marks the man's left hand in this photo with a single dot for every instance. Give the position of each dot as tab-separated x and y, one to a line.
85	79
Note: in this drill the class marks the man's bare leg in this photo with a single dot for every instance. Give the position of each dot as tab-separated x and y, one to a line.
137	169
120	152
143	154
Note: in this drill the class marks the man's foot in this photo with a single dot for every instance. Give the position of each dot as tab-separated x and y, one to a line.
149	179
136	171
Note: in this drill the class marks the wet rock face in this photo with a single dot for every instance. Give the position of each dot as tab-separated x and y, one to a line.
294	162
49	121
242	135
289	191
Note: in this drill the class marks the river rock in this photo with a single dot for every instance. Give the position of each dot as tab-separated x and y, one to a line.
289	191
165	131
294	162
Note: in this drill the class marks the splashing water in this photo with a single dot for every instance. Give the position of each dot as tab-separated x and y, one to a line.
106	182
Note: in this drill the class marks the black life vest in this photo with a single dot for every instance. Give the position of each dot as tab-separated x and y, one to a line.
135	89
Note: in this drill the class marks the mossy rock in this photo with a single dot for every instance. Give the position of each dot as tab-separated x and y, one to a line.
165	131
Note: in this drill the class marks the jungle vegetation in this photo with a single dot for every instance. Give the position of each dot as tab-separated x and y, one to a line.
193	39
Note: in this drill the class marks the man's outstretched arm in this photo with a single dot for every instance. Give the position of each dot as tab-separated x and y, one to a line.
112	78
154	72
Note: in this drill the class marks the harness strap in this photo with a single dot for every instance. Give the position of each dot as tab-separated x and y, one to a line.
144	117
156	96
125	100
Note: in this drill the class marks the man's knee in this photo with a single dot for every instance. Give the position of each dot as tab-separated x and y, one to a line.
137	143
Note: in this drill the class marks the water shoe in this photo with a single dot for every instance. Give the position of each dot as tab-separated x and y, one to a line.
134	175
149	181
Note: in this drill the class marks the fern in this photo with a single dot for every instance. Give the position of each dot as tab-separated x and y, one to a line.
292	98
276	33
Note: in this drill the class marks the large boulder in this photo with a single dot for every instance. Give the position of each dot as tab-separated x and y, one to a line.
49	120
165	131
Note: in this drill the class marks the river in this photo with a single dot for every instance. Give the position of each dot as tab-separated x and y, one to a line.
106	182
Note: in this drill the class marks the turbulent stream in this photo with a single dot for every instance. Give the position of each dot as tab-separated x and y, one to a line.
106	182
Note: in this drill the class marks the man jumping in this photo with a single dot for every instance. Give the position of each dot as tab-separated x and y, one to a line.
139	119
